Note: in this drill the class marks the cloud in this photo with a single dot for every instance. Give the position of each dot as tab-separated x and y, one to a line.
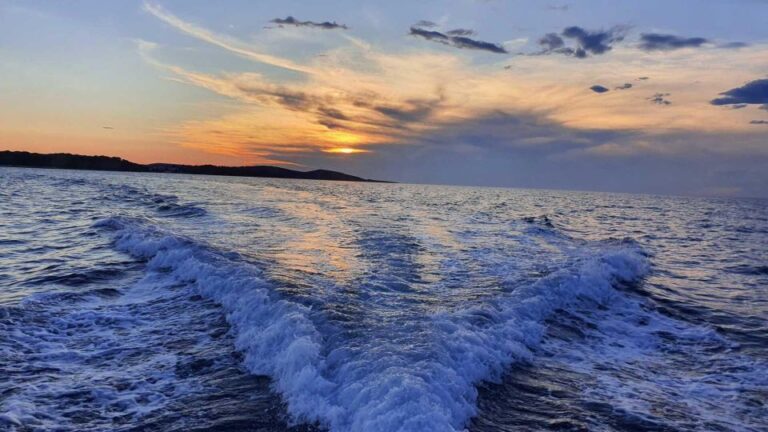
594	42
465	42
325	25
753	92
739	106
414	110
734	45
228	44
461	32
331	112
368	97
759	122
430	35
599	89
660	99
370	109
668	42
643	78
764	107
425	23
586	42
517	131
455	40
551	42
624	86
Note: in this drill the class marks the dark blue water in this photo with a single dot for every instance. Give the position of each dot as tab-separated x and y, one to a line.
168	302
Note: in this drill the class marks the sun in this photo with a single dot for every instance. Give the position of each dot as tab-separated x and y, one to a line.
345	150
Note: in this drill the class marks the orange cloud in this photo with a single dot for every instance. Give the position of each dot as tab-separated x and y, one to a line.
355	96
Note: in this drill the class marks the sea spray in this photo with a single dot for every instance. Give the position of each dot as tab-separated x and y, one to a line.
381	392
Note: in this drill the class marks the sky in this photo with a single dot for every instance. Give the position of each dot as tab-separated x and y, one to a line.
665	97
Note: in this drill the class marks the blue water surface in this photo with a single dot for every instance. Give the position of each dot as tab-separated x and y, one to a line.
142	302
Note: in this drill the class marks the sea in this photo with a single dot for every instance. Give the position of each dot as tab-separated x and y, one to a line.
162	302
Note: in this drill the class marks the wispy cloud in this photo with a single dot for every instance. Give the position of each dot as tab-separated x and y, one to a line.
559	8
325	25
357	96
457	38
668	42
221	41
461	32
660	99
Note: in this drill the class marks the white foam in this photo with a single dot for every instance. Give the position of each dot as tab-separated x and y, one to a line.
382	386
73	355
647	364
276	336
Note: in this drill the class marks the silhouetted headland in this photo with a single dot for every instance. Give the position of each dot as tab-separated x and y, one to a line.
107	163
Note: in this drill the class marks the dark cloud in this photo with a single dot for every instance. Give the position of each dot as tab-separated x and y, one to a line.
280	95
738	106
586	42
551	42
430	35
405	114
325	25
465	42
523	150
764	107
594	42
643	78
667	42
461	32
734	45
425	23
759	122
502	130
599	89
456	41
413	110
660	99
291	99
374	110
330	124
561	8
753	92
333	113
624	86
321	106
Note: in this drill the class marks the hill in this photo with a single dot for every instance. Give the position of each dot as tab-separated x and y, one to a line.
107	163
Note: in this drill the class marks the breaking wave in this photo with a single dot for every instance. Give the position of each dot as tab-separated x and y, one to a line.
242	304
429	384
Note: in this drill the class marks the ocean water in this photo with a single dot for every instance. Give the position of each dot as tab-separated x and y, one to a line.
140	302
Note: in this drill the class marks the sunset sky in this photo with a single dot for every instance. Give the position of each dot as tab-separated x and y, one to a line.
652	96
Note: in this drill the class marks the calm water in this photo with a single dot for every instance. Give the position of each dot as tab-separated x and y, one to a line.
161	302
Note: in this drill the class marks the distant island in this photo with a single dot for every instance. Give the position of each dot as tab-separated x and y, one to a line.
107	163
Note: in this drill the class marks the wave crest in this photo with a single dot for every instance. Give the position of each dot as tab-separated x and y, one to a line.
276	336
376	388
